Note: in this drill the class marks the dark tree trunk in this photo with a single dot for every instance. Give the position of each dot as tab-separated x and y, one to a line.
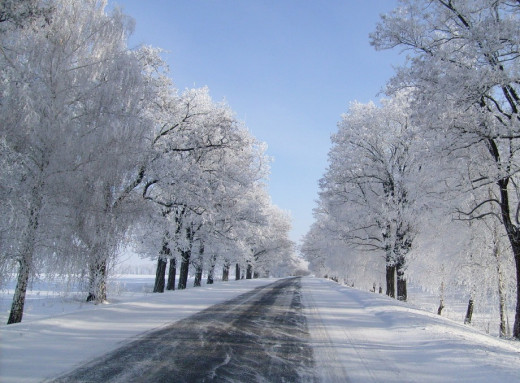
161	266
171	274
402	293
198	267
441	307
183	273
249	271
225	272
469	312
255	275
390	280
160	274
512	231
402	246
185	261
390	266
237	272
516	251
198	276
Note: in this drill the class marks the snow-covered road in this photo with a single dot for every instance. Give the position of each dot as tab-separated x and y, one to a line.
259	331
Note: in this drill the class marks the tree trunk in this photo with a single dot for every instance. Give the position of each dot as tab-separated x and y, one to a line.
503	328
249	271
16	314
401	248
211	271
171	274
160	275
237	272
402	293
256	275
26	257
390	280
198	267
98	280
516	326
441	307
441	303
513	234
183	273
390	267
198	276
161	266
225	272
185	261
515	245
504	331
469	312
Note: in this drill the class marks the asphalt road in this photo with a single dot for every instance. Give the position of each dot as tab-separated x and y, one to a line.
259	336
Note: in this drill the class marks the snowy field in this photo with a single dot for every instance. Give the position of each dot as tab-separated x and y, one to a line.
364	336
45	299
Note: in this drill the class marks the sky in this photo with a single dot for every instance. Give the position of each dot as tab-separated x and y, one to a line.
288	68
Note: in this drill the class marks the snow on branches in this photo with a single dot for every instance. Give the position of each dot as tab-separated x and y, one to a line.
99	150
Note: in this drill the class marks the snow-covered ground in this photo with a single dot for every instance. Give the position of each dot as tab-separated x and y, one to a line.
364	336
371	338
46	298
42	348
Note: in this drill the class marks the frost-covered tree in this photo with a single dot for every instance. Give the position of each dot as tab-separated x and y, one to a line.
19	13
271	245
97	146
329	255
464	74
71	94
369	192
205	167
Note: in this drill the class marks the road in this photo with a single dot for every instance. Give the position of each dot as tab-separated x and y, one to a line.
259	336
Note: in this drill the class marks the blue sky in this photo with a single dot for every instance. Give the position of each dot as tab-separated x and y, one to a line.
288	68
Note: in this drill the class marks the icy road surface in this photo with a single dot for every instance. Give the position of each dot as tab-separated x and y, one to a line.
260	336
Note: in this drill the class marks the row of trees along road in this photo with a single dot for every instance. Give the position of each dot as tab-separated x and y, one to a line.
428	181
99	151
